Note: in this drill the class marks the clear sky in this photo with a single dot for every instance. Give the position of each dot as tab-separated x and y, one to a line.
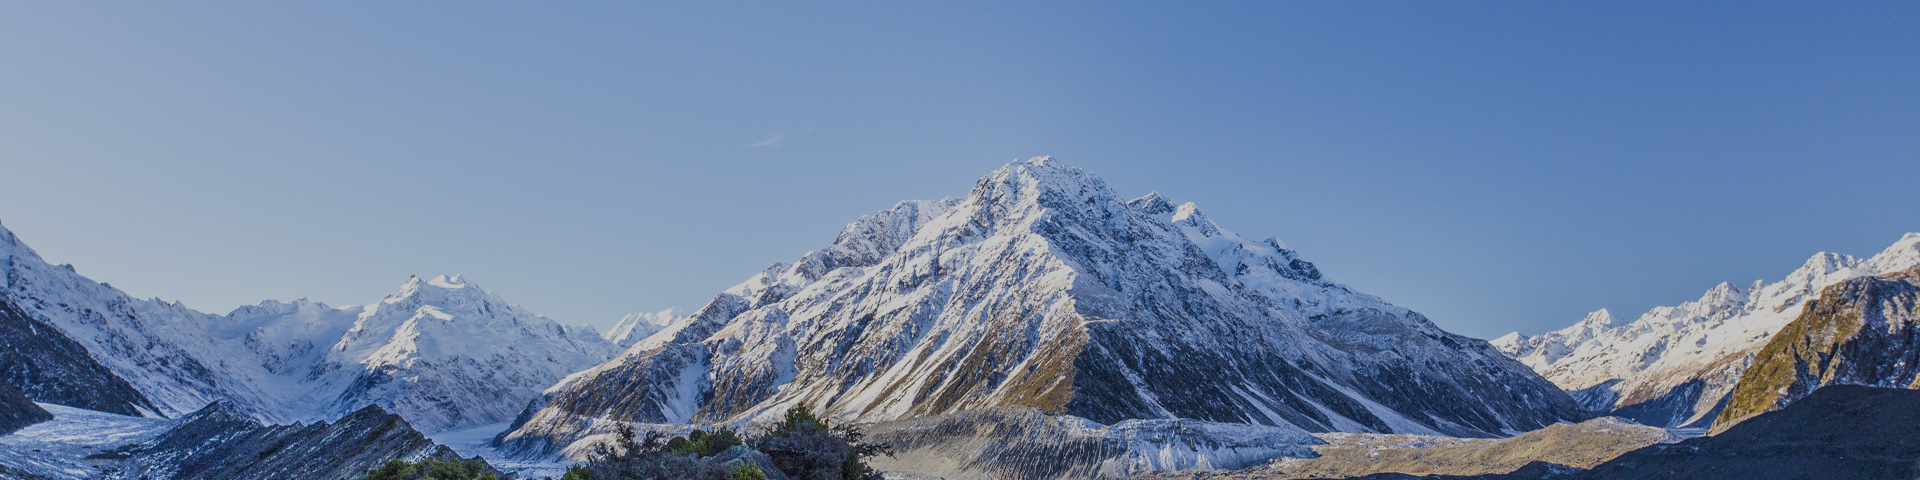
1498	166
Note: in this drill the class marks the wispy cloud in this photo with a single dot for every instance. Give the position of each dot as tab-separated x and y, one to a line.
771	142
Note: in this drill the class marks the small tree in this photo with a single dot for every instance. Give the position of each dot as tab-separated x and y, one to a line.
807	447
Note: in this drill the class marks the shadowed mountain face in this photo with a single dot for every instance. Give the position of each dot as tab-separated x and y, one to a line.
219	442
46	366
1864	331
17	412
1838	432
1041	288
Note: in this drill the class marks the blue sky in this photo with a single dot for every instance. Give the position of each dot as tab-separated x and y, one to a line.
1497	166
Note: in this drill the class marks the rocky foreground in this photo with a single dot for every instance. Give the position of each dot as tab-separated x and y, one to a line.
1838	432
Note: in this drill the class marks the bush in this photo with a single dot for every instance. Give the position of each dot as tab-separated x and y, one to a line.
807	447
746	472
431	469
802	446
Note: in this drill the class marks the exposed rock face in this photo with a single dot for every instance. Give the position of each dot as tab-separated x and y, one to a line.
44	365
1675	366
1838	432
17	412
1043	289
1024	444
220	442
1863	331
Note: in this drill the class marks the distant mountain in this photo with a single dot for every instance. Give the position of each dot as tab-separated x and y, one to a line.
1675	366
1041	288
638	326
1863	331
443	352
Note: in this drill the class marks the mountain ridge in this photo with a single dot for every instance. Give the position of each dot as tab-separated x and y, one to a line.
1674	366
441	351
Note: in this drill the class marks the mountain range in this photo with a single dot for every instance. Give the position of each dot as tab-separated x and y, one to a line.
1675	366
442	352
1038	316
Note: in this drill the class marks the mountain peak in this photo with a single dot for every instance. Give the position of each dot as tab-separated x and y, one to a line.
1902	255
446	281
1153	204
1599	317
638	326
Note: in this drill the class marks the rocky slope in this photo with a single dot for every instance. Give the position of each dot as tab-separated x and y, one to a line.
1041	288
17	412
44	365
1674	366
1863	331
222	442
442	351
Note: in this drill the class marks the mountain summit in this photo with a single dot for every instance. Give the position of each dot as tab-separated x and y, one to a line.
1042	288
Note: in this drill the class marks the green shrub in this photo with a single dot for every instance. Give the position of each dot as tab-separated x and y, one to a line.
746	472
431	469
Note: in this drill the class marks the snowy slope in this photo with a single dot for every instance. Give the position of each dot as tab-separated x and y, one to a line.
1042	288
638	326
161	348
1674	365
443	352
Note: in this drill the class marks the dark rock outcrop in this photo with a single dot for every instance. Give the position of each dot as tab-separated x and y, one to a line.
220	442
17	412
46	366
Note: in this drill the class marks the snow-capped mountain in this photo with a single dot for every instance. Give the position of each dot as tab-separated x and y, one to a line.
638	326
161	348
1675	365
443	352
1042	288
